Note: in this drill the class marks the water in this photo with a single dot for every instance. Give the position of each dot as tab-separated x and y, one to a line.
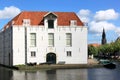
61	74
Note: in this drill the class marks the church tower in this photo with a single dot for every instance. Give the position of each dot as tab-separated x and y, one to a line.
104	41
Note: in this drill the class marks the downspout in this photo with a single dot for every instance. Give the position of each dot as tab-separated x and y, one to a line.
25	45
11	43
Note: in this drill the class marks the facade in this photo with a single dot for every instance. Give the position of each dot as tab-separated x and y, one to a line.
39	37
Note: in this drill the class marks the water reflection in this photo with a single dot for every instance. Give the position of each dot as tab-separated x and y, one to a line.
72	74
61	74
51	75
64	74
5	74
103	74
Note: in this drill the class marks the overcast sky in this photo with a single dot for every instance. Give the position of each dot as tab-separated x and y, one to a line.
98	14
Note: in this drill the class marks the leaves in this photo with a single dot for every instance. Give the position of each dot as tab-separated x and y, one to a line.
110	48
92	50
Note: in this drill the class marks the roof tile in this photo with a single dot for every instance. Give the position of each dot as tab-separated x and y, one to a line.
36	18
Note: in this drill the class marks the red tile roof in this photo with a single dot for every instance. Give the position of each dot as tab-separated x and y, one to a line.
36	18
94	45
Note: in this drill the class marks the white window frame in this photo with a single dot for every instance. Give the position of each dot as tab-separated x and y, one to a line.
26	22
33	39
68	39
73	23
51	39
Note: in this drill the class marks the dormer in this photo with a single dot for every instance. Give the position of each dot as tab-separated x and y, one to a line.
26	22
73	23
51	20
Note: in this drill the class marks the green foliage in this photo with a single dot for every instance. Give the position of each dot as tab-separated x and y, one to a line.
116	46
110	48
105	48
92	50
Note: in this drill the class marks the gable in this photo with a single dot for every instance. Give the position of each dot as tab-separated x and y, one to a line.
50	15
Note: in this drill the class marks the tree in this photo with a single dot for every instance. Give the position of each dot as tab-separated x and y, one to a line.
92	50
106	50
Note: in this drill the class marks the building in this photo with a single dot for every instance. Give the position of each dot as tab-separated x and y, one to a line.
103	41
94	45
38	37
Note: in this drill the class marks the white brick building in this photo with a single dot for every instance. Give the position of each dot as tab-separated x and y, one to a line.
43	37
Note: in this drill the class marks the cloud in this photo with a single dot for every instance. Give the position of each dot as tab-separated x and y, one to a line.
84	12
9	12
103	15
97	27
99	20
84	15
117	30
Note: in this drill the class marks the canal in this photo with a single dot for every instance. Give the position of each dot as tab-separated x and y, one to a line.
61	74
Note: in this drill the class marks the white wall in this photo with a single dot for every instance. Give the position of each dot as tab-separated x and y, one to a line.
14	44
79	45
18	45
78	49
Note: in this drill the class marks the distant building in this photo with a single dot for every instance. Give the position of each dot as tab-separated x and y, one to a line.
94	45
103	41
39	37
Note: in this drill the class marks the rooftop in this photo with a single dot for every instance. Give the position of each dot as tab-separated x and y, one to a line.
37	18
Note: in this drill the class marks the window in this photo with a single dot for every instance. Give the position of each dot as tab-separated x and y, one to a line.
33	54
33	39
73	22
51	39
26	21
50	24
68	39
69	53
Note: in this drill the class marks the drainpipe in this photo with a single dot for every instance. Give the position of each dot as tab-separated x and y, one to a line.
26	45
11	46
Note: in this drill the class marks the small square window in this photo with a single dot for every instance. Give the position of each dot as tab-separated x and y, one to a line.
26	22
69	53
73	22
33	54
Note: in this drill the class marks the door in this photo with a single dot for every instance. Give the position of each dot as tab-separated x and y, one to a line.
51	58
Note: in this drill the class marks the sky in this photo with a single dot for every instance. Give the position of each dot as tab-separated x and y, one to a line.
98	14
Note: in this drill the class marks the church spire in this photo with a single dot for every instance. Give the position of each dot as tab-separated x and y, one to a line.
104	41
